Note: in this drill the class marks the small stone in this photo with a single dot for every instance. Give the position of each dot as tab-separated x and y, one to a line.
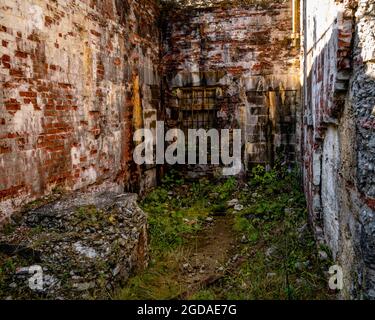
22	271
271	275
49	281
209	219
85	251
323	256
13	285
232	203
116	271
271	252
238	207
236	257
244	239
84	286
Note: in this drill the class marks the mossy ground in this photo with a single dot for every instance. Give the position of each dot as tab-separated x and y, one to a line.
275	253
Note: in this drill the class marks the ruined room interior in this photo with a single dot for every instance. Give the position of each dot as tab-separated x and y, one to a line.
293	80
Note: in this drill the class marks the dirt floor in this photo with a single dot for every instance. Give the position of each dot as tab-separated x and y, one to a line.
208	257
230	240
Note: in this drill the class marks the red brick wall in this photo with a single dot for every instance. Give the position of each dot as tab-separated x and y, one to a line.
67	71
248	51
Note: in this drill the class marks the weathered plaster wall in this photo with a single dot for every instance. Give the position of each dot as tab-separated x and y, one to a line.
338	141
76	78
248	52
327	36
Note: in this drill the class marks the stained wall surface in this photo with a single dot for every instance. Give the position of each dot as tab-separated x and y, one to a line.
76	79
338	146
248	52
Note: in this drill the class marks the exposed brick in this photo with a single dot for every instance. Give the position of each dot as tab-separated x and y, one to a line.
4	148
5	58
48	21
237	48
16	73
20	54
28	94
95	33
33	37
12	105
12	191
59	89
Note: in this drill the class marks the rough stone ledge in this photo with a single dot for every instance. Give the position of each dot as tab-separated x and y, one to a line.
87	245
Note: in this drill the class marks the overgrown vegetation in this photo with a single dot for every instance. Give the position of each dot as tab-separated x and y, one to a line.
277	252
177	209
282	259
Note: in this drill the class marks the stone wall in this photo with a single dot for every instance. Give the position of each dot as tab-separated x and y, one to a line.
76	78
247	52
338	141
362	99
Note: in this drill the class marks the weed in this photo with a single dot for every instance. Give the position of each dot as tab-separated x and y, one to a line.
8	229
281	262
226	189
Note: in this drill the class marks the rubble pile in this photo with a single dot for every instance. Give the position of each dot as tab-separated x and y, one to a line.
81	246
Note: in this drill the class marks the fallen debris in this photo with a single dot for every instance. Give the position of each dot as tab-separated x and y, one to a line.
86	245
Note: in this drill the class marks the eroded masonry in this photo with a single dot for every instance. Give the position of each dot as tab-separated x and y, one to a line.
78	78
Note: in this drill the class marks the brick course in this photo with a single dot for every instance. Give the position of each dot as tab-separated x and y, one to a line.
66	71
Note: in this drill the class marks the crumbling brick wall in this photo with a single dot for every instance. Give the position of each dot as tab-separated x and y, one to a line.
76	79
338	141
247	51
